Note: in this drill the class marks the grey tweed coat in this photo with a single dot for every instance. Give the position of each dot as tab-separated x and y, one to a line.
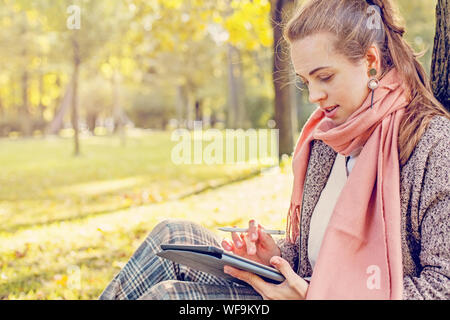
425	209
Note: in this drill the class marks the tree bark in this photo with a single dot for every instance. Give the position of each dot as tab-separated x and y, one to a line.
74	118
25	120
1	107
118	112
63	106
198	110
24	113
233	95
180	105
281	77
91	119
41	96
440	66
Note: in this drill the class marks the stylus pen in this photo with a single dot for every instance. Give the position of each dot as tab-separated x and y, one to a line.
227	229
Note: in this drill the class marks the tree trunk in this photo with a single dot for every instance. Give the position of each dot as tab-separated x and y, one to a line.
119	121
24	113
63	105
190	106
440	66
74	118
241	112
198	110
2	111
180	105
41	95
25	120
91	119
233	95
213	119
281	77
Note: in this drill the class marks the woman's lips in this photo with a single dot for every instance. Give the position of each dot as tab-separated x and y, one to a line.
330	112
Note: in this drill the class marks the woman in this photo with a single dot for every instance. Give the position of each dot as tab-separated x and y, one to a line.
371	198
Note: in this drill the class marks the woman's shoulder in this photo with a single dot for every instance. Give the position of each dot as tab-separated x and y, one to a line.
433	148
436	135
439	127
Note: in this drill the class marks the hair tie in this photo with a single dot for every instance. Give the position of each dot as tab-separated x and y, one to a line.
371	3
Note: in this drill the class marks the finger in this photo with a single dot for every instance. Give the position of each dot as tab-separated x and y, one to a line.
264	237
252	237
227	245
253	230
251	245
285	268
237	240
252	279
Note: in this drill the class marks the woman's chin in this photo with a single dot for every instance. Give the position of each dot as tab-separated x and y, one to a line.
337	121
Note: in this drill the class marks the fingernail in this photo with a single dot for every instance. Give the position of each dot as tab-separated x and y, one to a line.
254	236
238	244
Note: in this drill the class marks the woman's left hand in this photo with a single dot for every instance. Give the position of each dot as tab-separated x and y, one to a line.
293	288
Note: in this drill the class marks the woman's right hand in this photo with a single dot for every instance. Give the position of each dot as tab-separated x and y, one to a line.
255	245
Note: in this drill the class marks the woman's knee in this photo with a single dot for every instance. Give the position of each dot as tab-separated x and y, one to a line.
181	232
170	226
176	230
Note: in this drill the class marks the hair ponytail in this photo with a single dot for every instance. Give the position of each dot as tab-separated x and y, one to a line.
347	20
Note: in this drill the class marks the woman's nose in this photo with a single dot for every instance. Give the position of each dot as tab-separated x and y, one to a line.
316	95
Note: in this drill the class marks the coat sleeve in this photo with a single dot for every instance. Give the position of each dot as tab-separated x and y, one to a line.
289	252
433	282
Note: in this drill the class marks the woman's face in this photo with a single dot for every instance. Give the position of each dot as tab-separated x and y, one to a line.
332	80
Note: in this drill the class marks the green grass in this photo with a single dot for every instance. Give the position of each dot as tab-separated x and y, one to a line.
41	182
64	218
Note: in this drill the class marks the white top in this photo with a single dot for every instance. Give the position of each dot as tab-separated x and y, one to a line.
324	207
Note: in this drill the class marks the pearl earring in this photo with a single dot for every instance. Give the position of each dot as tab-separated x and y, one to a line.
373	83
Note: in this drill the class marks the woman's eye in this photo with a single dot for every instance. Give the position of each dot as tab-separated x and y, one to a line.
326	78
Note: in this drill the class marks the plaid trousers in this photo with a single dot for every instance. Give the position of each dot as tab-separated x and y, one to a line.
149	277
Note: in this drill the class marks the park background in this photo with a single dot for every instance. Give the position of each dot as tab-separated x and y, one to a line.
90	95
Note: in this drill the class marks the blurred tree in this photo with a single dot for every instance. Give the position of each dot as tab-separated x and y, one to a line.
248	26
175	45
419	18
22	57
96	99
116	60
440	66
281	10
82	28
236	108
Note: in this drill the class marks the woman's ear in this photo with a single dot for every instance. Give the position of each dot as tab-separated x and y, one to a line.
373	59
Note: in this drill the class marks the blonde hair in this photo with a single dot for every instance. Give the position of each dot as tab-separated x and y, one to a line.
352	22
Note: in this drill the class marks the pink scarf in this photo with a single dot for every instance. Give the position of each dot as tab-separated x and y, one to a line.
360	256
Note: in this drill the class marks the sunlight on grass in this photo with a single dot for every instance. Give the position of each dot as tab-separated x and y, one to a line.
67	225
101	187
37	263
47	184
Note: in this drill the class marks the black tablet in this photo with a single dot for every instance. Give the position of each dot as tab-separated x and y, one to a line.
212	259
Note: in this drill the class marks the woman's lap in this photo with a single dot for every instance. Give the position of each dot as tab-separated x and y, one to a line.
187	290
147	275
